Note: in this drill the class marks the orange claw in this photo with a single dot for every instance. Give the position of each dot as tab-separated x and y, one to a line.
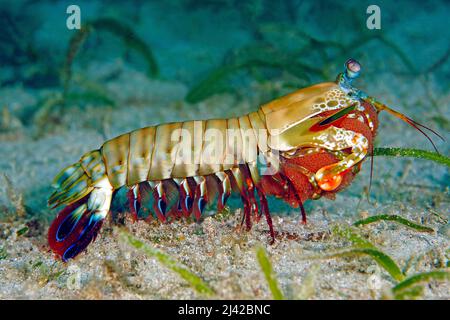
328	182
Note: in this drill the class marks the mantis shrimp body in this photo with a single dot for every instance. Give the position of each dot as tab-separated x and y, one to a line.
302	146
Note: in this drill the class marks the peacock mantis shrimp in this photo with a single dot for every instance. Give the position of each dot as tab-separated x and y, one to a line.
305	145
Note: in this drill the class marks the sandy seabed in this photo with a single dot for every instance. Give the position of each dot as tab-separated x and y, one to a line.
217	250
224	256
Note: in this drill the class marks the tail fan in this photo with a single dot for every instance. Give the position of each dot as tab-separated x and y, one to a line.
74	229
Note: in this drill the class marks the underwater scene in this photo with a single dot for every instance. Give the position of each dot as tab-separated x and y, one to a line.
329	173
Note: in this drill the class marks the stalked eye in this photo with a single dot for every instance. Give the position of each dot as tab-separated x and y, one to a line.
353	68
353	65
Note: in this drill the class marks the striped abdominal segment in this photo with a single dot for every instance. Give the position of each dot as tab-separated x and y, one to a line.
184	149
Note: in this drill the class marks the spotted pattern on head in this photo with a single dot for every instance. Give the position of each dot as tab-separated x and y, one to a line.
340	139
333	100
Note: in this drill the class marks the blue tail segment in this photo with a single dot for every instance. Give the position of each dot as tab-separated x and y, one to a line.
73	229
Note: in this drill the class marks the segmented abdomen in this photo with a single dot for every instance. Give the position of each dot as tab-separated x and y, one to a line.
183	149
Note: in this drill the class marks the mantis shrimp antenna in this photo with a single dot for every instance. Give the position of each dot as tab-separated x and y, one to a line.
416	125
